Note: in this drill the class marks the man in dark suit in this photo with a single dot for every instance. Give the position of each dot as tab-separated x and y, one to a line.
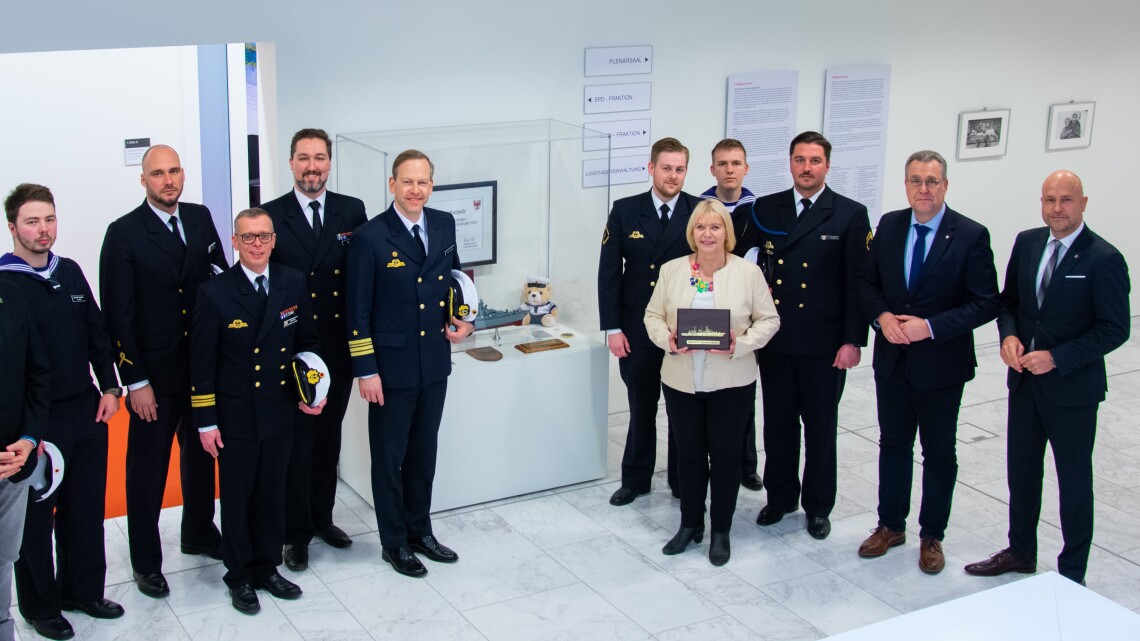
1064	306
812	241
928	281
152	261
248	324
642	233
23	419
66	313
399	275
314	227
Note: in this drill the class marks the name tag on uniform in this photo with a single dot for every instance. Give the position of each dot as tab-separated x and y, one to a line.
1074	276
290	321
827	237
78	298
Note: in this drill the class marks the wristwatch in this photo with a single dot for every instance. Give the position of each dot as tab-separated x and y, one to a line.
114	391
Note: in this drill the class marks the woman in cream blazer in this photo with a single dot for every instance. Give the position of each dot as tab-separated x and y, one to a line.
708	393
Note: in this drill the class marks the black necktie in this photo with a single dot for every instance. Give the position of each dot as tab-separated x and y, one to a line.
664	216
917	256
1047	275
807	205
174	230
261	291
316	207
419	242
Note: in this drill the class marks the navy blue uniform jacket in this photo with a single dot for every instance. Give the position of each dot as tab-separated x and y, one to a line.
816	263
148	291
1084	315
395	301
634	247
957	293
241	353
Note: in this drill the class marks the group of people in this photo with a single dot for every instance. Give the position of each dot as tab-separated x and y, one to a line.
803	278
205	351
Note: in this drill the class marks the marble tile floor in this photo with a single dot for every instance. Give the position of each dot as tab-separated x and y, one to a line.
563	564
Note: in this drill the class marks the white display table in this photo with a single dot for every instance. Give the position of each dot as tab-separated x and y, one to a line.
526	423
1047	607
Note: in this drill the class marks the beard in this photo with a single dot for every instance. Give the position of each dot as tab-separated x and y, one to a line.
34	246
311	183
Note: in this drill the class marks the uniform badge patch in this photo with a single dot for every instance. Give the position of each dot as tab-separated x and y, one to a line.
636	235
237	324
605	235
78	298
343	237
870	235
396	262
288	311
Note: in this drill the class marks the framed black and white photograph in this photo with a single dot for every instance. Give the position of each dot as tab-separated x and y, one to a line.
473	206
1070	125
983	134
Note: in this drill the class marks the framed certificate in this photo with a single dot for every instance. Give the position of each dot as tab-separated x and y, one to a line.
473	206
703	328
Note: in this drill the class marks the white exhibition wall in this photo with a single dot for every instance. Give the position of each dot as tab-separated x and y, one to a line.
362	65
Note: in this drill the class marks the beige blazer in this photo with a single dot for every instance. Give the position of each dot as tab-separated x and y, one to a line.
739	287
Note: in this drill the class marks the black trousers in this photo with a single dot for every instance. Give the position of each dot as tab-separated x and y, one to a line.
79	569
252	477
1033	421
796	386
749	461
933	414
403	435
310	485
148	458
641	373
709	427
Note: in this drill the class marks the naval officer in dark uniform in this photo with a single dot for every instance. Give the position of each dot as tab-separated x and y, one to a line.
153	260
399	274
314	227
67	315
642	233
248	324
811	243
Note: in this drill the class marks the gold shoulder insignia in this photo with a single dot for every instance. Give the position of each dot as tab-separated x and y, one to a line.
870	235
636	234
237	324
396	262
605	235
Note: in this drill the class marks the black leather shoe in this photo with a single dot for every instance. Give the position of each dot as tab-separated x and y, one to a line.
98	609
819	527
214	552
404	561
752	482
296	556
279	586
244	599
770	515
53	628
430	547
719	549
152	585
682	538
334	536
625	496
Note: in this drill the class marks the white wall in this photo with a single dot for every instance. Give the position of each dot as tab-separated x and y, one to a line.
371	65
81	158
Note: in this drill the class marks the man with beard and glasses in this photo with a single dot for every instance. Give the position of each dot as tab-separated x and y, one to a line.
314	227
151	265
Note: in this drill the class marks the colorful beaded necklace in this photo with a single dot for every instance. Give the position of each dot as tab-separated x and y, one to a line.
696	281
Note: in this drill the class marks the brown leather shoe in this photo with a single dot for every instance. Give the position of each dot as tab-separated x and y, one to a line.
882	539
930	557
1000	563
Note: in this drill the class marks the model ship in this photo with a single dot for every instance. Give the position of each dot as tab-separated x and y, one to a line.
488	317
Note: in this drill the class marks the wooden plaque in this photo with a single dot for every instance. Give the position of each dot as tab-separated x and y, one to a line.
486	354
541	346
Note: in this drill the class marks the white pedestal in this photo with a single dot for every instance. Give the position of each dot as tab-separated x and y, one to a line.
526	423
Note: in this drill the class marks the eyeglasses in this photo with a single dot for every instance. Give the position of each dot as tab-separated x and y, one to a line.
265	237
931	183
